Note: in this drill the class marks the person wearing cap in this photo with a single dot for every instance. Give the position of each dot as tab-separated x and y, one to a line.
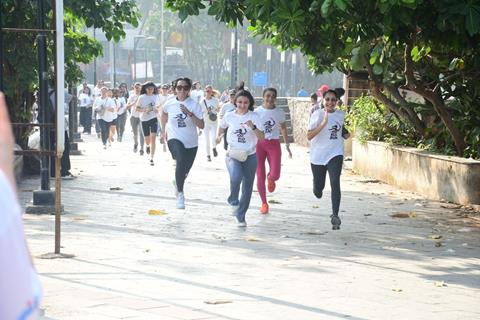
228	107
320	91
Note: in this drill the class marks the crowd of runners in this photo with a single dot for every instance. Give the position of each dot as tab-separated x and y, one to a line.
180	113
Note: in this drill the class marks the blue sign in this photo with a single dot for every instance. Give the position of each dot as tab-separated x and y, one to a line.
260	79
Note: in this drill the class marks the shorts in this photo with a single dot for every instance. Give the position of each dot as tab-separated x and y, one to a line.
113	122
150	126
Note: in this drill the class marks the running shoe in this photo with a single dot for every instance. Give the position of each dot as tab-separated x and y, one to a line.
242	224
215	153
141	152
264	208
209	158
148	149
336	222
135	148
234	210
180	201
271	185
151	162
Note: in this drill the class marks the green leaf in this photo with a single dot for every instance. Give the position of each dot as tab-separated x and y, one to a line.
472	23
341	4
326	7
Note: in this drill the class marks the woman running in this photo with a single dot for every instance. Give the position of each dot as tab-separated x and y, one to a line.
113	124
121	103
273	122
210	105
135	118
244	130
181	116
146	104
105	108
326	150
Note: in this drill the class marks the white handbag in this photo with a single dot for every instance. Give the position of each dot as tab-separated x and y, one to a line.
237	154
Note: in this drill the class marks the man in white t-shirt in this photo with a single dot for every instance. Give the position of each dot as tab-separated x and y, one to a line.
135	118
20	290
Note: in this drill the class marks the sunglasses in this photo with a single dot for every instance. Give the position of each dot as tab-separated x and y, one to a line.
185	88
330	99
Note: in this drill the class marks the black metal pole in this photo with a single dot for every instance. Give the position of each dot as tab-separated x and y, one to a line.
43	98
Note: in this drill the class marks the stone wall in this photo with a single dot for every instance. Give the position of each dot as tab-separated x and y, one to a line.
434	176
299	113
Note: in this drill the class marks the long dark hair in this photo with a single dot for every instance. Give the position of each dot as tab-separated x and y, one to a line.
149	84
241	92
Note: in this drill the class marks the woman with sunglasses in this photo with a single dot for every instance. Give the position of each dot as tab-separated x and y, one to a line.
326	135
273	123
244	130
181	116
146	104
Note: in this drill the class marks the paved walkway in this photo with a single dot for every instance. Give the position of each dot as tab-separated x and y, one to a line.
196	264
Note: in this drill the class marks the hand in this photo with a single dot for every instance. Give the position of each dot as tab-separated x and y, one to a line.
185	110
218	140
6	143
287	146
250	124
162	137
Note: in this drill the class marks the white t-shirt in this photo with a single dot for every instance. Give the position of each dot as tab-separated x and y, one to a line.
196	95
96	92
133	98
328	143
180	126
100	104
209	105
20	289
85	100
239	134
121	105
271	121
150	103
227	107
161	99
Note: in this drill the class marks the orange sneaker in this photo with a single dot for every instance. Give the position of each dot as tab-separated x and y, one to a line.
264	208
271	185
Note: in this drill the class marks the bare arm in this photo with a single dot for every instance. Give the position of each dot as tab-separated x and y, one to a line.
283	129
220	134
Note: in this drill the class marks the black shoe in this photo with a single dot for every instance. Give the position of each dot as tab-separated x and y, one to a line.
135	148
151	162
209	158
141	152
215	153
148	149
336	222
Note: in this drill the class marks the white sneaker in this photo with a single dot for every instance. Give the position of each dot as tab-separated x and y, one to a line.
242	224
180	201
234	210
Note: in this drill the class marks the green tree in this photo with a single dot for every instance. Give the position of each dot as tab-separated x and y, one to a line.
20	65
428	47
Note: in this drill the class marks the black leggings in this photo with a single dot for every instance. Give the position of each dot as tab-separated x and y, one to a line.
184	157
334	168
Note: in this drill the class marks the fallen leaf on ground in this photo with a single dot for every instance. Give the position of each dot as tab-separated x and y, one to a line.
253	239
154	212
440	284
438	244
435	236
294	258
367	214
397	290
315	206
116	188
274	201
217	301
410	214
